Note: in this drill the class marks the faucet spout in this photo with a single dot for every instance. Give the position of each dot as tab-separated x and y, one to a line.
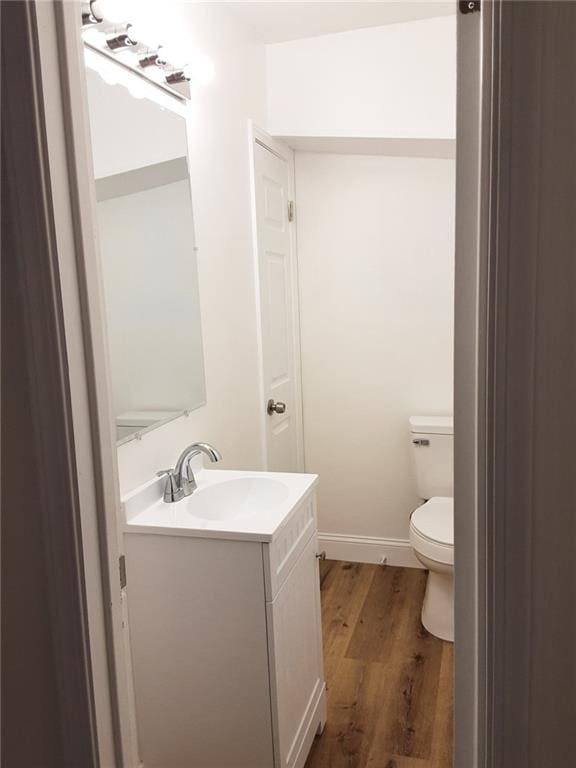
182	478
194	450
208	450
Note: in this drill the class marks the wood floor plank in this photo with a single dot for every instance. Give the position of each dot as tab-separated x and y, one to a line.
354	697
344	591
327	569
389	681
385	613
338	746
408	726
442	742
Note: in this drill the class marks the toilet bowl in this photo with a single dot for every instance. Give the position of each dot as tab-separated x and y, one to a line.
432	523
432	538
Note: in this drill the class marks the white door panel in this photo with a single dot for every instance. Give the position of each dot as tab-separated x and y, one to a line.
278	291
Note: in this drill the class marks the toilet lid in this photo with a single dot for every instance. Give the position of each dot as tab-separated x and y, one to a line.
435	520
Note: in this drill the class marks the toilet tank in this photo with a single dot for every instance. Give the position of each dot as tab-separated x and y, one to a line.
432	440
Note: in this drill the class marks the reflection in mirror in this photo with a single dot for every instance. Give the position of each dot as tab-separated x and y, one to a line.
148	258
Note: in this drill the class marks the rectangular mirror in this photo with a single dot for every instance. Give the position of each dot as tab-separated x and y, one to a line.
146	237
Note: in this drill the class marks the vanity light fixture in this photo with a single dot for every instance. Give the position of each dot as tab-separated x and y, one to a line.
106	32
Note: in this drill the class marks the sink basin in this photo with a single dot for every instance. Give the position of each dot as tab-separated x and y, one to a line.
237	498
228	504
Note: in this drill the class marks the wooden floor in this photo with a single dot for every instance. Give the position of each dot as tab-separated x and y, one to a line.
389	682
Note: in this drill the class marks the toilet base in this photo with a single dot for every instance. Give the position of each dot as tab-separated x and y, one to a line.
438	608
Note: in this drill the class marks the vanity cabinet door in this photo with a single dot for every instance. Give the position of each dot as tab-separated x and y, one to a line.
296	673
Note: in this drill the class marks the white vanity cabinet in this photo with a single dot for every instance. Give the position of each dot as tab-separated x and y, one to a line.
295	649
226	645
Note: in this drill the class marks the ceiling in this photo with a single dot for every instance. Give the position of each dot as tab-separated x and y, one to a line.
277	22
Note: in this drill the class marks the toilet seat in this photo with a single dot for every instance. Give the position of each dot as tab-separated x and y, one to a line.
432	529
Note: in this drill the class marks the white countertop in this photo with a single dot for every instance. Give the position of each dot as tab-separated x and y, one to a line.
261	503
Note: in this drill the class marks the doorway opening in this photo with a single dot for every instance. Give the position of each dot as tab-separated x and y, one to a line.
354	249
339	324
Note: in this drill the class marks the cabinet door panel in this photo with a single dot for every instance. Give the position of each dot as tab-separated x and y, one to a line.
282	553
295	637
199	649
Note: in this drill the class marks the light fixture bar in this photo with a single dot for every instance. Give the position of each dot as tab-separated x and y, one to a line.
112	39
182	95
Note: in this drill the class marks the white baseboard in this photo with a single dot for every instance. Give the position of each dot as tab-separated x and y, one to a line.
368	549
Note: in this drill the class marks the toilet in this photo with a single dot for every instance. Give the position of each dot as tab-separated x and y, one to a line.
432	523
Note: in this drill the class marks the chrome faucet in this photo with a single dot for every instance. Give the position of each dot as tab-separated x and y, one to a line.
180	481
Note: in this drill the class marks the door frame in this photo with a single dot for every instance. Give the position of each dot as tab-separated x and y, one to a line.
473	182
54	709
74	207
257	135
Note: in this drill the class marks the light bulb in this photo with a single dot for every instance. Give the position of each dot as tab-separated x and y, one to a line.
144	35
168	54
91	13
132	33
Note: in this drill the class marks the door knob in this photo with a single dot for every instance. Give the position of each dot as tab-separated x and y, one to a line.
273	407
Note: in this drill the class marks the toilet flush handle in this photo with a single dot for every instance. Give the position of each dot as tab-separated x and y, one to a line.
421	442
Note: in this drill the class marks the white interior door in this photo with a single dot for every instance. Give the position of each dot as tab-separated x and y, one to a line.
278	293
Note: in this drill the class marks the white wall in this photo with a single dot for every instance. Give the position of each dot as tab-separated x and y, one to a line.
397	81
220	173
376	255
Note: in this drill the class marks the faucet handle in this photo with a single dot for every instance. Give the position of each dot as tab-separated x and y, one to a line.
171	490
189	484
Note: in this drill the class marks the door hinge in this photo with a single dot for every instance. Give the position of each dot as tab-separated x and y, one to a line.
290	210
122	569
469	6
